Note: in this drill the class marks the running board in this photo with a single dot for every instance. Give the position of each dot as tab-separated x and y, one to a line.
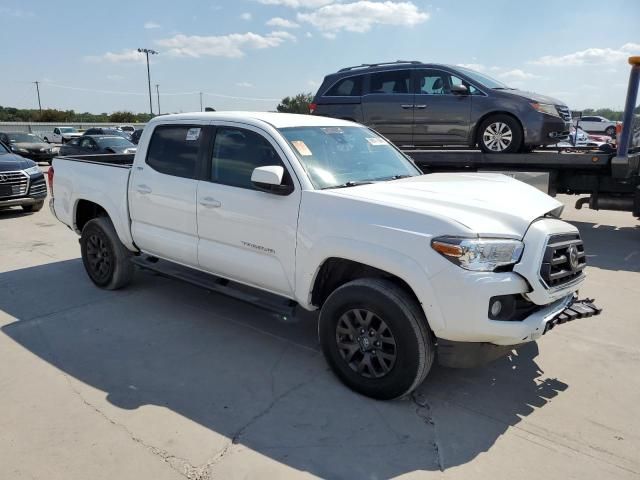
273	303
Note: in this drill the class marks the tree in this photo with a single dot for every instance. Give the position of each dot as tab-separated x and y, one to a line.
298	104
122	117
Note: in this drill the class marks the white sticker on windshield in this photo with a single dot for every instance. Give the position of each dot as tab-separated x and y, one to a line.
376	141
193	134
302	148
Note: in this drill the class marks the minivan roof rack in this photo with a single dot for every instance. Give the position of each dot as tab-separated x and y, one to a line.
367	65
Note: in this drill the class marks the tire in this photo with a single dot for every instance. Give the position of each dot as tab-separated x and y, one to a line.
35	207
401	332
106	260
504	130
611	131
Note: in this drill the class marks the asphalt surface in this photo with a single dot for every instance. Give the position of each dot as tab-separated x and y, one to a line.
163	380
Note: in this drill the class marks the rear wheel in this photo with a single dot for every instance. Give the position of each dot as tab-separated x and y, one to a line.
500	134
611	131
375	338
106	260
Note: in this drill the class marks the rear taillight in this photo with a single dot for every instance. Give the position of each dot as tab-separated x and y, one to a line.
312	108
50	179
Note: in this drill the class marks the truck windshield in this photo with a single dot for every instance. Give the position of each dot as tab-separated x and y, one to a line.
346	156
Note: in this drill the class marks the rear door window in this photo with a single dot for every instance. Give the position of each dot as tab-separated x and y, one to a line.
347	87
393	82
174	150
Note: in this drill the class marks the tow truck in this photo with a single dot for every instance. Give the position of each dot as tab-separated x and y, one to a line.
610	177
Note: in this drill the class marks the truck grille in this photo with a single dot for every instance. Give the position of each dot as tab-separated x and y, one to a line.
564	112
564	260
13	184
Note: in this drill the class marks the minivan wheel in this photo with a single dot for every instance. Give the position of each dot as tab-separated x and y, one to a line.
375	338
610	131
500	134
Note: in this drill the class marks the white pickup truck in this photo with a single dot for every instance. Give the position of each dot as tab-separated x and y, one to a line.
61	135
293	211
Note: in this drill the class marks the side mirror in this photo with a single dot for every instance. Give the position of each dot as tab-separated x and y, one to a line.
269	179
459	90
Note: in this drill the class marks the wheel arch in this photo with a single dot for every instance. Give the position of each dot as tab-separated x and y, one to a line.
475	134
85	209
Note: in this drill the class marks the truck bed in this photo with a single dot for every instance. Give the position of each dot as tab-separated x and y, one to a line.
124	160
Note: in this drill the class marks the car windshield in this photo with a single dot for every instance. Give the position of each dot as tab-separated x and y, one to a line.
346	156
68	130
483	79
24	138
3	149
114	142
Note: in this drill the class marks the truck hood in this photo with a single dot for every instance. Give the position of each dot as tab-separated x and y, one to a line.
485	204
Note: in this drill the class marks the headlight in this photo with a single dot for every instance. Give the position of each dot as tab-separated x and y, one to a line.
546	108
479	254
32	170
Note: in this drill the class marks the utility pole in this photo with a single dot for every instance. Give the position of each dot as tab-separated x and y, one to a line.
148	51
201	101
158	92
38	91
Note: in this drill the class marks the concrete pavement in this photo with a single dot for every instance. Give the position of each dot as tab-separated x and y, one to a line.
164	380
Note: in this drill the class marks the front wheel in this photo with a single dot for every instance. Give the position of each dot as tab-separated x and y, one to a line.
375	338
500	134
610	131
106	260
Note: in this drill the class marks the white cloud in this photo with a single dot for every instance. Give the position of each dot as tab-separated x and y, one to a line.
122	57
308	35
478	67
244	84
590	56
517	74
297	3
246	16
150	24
232	46
282	23
360	16
329	35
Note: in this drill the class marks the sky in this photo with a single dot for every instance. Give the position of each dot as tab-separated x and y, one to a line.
248	54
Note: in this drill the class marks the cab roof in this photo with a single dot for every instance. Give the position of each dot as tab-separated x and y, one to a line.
276	120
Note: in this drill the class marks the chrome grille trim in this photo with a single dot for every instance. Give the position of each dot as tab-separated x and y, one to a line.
18	181
557	270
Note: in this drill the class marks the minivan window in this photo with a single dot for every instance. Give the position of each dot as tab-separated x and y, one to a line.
347	87
173	150
236	153
483	79
395	81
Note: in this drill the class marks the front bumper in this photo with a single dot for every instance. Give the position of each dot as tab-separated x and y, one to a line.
18	202
546	130
455	354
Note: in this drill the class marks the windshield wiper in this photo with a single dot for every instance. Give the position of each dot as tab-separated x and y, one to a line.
350	183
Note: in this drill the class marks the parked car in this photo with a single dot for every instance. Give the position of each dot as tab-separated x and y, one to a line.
294	211
420	104
135	136
94	144
107	131
28	145
61	135
596	124
127	128
21	182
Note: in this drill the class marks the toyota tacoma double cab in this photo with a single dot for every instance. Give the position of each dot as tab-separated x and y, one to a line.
294	211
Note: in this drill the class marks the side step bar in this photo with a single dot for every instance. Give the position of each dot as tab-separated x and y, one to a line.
281	306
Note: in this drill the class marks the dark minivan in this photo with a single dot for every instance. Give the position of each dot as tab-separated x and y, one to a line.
420	104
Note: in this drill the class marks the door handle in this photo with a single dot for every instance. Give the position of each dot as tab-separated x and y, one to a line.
421	106
407	106
209	202
143	189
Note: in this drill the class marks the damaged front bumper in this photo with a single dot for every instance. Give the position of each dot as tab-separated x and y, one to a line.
455	354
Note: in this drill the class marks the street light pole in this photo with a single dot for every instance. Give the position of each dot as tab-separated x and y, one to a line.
200	101
38	90
148	51
158	92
